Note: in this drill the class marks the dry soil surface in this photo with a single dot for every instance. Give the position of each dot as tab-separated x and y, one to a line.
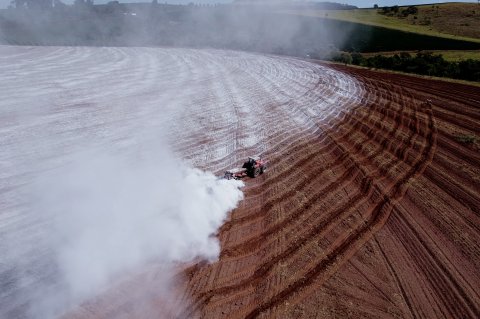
374	214
370	206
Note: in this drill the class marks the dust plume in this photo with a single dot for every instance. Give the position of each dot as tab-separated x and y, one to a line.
109	214
240	25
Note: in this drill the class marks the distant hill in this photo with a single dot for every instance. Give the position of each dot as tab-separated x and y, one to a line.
297	4
449	20
237	27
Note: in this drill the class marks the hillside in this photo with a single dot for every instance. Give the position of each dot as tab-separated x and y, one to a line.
448	20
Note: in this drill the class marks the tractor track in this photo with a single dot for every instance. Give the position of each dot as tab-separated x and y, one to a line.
333	255
409	136
346	177
327	149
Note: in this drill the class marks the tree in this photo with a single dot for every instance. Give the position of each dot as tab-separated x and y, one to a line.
343	57
83	3
409	10
375	6
34	4
357	58
386	10
469	69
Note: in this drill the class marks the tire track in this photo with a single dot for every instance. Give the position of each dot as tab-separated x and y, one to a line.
261	272
378	217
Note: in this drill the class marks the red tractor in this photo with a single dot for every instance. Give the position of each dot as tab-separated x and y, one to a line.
253	167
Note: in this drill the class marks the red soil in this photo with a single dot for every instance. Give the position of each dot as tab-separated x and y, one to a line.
375	215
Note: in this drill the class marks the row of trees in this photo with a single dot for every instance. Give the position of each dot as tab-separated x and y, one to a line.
395	11
425	63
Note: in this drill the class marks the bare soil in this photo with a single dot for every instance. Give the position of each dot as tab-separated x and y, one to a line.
374	216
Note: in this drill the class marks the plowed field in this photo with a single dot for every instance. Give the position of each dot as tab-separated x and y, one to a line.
375	214
370	206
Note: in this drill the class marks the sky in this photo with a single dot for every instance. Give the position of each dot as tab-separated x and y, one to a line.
358	3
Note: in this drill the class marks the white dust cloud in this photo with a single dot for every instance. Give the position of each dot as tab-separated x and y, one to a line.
110	214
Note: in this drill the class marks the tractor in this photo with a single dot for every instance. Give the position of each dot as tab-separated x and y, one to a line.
253	167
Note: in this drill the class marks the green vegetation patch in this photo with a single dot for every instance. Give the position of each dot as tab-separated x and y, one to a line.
460	55
424	63
448	55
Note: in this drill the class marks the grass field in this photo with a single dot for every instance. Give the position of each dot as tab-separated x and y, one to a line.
460	55
459	21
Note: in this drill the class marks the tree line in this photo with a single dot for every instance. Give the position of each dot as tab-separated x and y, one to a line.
397	11
423	63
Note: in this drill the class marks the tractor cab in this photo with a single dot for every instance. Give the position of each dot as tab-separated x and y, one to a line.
254	166
255	158
251	162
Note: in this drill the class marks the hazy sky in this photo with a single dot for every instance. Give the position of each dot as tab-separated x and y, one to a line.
358	3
